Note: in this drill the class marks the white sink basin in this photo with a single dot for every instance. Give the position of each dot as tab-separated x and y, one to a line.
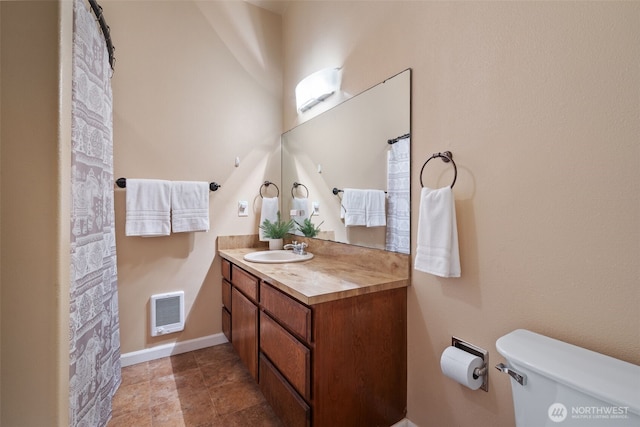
275	257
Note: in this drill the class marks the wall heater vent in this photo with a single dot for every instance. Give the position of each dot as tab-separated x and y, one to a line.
167	313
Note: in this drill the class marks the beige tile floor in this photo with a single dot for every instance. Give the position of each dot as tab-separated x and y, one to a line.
204	388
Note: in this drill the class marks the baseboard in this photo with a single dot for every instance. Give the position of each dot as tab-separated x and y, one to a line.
171	349
404	423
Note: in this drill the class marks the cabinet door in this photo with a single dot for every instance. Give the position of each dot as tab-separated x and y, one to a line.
244	327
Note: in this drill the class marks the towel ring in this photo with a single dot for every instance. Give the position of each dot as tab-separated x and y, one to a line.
446	157
267	184
296	185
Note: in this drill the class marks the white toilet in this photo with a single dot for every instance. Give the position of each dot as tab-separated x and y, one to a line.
559	384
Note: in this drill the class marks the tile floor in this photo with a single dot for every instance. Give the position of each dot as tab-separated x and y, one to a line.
204	388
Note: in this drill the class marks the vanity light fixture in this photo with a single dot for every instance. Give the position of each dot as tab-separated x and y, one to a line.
317	87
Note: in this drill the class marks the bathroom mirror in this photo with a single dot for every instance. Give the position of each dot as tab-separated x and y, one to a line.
348	147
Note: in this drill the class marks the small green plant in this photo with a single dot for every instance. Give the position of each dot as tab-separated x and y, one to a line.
277	229
308	228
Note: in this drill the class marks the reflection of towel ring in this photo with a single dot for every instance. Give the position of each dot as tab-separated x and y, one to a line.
295	186
267	184
446	157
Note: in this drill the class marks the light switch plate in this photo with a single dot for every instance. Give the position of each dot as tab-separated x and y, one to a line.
243	208
316	208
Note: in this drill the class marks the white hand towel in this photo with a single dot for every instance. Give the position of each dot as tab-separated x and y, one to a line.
269	211
375	208
148	204
437	248
301	205
189	206
354	204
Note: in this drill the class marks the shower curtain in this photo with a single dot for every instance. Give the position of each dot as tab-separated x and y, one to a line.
94	371
398	197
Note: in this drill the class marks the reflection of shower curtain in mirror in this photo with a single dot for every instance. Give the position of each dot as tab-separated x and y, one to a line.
398	197
94	341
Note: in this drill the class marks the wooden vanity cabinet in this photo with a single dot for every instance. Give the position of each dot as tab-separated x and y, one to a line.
337	363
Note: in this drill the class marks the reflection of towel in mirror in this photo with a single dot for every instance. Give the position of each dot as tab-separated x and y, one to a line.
148	203
189	206
301	205
437	248
399	197
374	211
363	208
354	207
269	211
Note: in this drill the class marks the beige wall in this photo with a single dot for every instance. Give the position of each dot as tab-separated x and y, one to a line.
537	101
539	104
195	85
35	157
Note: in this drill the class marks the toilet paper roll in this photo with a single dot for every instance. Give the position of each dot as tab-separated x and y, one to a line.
459	365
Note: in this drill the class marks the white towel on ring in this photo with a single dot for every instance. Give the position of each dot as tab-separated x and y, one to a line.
437	249
189	206
270	208
148	205
301	206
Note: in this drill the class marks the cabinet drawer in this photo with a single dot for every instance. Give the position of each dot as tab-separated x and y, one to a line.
226	323
289	355
295	316
245	282
226	269
292	410
226	294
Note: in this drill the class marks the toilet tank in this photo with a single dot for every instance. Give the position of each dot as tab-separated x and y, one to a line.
568	385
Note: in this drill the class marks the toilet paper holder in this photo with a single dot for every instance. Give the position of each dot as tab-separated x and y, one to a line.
476	351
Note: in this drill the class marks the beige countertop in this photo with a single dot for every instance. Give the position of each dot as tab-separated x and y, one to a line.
320	279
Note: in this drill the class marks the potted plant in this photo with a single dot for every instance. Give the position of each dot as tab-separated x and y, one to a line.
308	228
275	231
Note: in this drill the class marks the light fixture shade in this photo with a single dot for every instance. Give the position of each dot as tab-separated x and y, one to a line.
317	87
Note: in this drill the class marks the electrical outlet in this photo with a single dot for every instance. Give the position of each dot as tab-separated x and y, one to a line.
316	208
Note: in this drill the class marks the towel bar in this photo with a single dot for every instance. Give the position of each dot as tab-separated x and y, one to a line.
394	140
336	191
122	183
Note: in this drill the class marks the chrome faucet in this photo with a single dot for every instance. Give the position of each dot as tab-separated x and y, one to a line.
298	248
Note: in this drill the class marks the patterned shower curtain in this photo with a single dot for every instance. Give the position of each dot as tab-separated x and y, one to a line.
94	372
399	197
